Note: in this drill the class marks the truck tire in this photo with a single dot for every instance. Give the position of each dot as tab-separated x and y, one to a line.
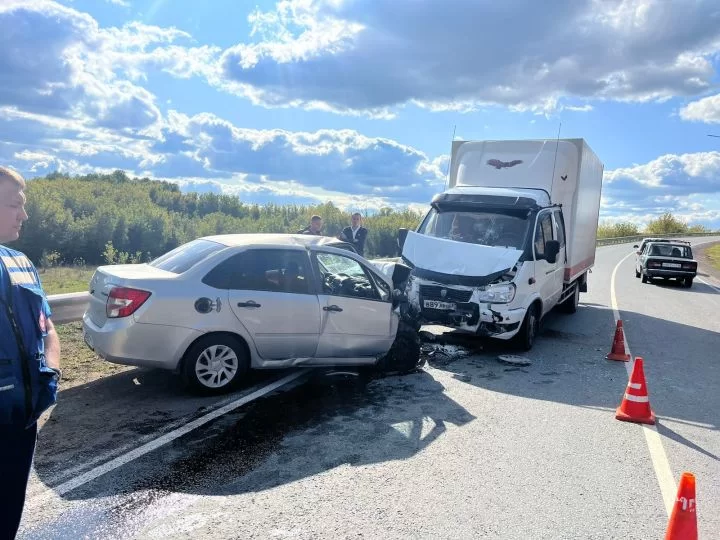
525	338
404	354
571	303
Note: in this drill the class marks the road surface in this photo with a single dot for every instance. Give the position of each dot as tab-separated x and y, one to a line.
467	448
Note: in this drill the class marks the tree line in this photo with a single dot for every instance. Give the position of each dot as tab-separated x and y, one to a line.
111	218
101	218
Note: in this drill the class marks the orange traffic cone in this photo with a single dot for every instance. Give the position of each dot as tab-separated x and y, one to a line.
618	347
635	405
683	520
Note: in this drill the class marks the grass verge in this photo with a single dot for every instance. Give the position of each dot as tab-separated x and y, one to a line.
713	254
66	279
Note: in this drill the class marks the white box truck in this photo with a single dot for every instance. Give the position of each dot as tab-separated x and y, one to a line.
512	237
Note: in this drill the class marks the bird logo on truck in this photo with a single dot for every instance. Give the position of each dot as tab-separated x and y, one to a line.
503	164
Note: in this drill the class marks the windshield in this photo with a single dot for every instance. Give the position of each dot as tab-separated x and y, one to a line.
485	228
184	257
670	250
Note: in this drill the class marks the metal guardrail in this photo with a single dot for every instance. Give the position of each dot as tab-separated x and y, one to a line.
70	307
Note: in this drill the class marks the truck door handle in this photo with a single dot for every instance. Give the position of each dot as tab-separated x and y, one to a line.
249	303
332	308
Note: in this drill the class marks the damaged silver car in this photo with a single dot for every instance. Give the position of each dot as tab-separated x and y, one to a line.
218	306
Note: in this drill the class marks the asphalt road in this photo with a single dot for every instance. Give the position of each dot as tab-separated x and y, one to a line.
467	448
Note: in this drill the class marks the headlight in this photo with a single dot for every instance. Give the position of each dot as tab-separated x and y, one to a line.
502	293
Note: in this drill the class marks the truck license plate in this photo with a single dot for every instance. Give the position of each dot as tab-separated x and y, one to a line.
672	265
436	304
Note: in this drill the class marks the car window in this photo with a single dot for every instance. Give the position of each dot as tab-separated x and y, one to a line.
274	270
184	257
543	233
670	250
343	276
560	228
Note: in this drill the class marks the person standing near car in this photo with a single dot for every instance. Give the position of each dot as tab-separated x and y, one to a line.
355	234
29	356
315	227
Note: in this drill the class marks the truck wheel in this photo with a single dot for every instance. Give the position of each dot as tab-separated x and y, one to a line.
525	338
215	364
404	354
570	305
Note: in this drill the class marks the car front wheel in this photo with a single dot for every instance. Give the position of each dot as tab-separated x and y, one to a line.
215	364
525	338
404	354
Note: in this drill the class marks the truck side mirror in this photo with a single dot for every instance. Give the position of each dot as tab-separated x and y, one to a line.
552	248
402	236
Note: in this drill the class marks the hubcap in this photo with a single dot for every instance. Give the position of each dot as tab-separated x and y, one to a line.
216	366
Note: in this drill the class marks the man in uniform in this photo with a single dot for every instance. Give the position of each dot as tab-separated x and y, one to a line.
29	356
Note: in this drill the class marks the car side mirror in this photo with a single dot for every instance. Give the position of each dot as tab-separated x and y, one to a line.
636	247
552	248
402	236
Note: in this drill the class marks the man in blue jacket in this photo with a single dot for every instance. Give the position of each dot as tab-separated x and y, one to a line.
29	356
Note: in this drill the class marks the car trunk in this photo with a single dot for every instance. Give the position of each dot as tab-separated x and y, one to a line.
140	276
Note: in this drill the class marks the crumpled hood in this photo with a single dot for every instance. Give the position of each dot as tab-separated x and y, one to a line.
459	259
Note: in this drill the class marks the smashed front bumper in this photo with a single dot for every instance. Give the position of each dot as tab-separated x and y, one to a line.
459	308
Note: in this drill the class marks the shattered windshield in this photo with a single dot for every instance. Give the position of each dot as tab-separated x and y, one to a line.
485	228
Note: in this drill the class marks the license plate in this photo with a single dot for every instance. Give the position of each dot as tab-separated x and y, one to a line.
88	340
672	265
436	304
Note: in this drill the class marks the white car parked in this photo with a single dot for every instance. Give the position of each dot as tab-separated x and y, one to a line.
217	306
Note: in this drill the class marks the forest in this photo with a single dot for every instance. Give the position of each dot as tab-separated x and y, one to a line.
112	218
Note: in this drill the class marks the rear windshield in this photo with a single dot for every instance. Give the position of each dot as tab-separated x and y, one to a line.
183	258
670	250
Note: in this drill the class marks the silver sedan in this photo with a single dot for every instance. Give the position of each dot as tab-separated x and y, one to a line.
218	306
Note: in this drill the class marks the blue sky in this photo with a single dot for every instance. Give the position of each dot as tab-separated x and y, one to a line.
355	101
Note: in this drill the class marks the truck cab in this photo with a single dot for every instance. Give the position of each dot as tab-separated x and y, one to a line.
496	251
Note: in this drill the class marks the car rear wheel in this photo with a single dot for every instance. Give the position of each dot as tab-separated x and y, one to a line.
688	282
637	274
215	364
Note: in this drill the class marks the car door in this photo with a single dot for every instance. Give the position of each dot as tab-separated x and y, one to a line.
549	275
356	309
272	294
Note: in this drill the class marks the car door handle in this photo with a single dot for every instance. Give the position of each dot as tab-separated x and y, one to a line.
332	308
249	303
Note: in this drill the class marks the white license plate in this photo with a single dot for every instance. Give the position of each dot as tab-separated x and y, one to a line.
436	304
88	340
672	265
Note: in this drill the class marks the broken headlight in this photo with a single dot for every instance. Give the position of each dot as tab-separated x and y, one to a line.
502	293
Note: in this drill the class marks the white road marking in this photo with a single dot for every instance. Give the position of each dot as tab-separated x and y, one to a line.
659	459
113	464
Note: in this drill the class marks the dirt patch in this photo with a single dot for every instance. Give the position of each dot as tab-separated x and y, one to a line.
706	258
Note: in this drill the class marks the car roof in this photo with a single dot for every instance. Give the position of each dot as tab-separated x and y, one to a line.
274	239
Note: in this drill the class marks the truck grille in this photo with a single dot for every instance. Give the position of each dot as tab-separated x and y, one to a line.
433	292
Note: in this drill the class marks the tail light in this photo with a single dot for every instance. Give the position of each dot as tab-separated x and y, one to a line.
689	266
124	301
654	264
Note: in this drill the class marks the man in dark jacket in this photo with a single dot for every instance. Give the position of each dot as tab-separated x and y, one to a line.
314	228
356	234
29	353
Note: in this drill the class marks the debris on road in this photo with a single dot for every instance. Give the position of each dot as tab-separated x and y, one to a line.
514	360
444	353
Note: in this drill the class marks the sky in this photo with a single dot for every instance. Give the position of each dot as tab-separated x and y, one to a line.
357	101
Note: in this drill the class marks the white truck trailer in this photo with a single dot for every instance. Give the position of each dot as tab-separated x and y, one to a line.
512	237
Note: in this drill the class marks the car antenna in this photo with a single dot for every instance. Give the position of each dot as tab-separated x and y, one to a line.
552	179
447	172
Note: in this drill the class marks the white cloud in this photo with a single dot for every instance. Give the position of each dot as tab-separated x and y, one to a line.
121	3
351	56
705	110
